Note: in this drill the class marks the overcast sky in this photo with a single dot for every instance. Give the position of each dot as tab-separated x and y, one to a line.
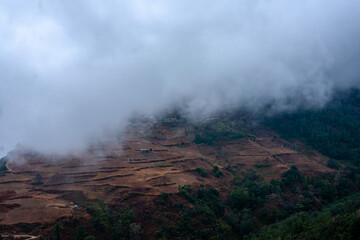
70	69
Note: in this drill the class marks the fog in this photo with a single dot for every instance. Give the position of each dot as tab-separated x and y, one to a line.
72	69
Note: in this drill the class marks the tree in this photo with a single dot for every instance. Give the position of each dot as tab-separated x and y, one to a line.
239	198
201	171
135	231
57	231
80	233
217	172
38	179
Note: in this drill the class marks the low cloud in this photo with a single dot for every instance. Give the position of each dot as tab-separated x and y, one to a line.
70	69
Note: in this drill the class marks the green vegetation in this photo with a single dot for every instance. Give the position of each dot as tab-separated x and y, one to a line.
253	204
261	166
115	224
164	196
334	130
339	220
201	171
108	222
333	164
217	172
57	231
3	167
80	233
164	164
91	237
185	189
295	206
38	179
209	133
203	221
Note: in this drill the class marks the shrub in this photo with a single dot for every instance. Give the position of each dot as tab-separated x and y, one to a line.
208	133
164	196
184	189
3	167
38	179
217	172
201	171
57	231
333	164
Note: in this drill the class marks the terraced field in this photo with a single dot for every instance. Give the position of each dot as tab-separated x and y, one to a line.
35	187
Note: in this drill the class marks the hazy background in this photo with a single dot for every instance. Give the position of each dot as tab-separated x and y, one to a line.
70	69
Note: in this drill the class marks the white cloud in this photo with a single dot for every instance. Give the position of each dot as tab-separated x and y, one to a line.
69	69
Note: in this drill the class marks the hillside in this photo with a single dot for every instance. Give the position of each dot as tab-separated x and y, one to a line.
219	179
120	173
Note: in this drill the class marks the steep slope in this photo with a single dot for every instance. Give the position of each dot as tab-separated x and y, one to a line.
139	168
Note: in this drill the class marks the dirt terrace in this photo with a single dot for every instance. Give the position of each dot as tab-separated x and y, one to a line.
114	170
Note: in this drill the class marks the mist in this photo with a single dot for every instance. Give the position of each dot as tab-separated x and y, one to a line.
72	69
